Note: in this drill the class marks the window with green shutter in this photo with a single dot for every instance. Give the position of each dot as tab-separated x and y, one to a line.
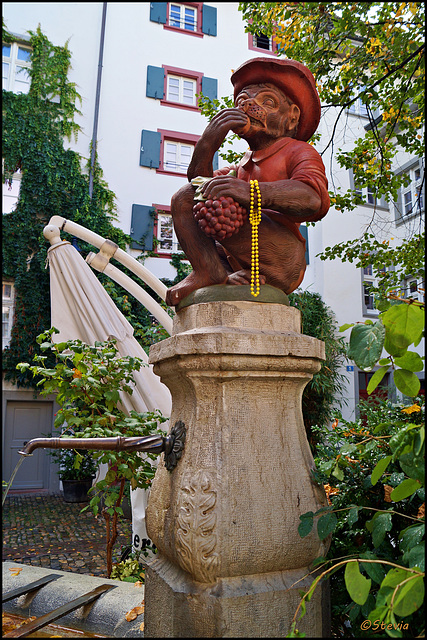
142	227
150	149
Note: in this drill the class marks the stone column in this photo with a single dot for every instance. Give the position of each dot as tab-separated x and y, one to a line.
230	562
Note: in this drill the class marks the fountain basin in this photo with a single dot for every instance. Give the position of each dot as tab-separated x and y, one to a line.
105	616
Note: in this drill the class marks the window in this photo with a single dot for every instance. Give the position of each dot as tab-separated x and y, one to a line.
358	108
262	42
367	195
16	61
193	18
7	314
177	156
180	89
369	280
11	193
413	288
412	194
168	151
182	17
167	242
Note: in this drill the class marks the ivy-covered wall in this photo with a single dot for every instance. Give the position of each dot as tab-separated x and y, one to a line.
55	181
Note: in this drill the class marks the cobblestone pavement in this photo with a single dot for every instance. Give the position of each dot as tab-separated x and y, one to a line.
44	531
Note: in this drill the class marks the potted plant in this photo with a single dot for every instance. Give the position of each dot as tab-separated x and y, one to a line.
77	471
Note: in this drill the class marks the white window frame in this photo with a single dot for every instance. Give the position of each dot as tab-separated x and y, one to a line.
167	242
181	23
14	68
8	299
357	108
368	299
181	81
177	165
413	288
415	193
10	194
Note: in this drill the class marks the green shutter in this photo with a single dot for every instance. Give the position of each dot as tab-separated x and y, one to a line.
150	149
155	82
209	20
210	87
158	12
142	227
304	232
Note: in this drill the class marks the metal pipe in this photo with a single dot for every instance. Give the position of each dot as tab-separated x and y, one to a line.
97	99
172	445
154	444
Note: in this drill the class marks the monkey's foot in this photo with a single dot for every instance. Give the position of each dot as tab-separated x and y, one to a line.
194	281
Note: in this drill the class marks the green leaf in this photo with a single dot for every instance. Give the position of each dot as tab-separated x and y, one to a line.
338	472
358	586
374	570
404	323
416	557
353	516
366	344
404	489
344	327
379	469
407	382
410	597
378	526
306	524
376	379
411	361
326	525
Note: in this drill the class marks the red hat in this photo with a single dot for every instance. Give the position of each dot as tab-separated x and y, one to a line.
291	77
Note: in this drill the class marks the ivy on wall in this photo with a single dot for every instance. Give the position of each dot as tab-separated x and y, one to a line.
55	181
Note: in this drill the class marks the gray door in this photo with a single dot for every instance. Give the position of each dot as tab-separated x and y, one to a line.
25	421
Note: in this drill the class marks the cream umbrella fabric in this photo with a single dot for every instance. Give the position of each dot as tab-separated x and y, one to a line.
82	309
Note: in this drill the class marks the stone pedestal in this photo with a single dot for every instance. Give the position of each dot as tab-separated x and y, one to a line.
230	562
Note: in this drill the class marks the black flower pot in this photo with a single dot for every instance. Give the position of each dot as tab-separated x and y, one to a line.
76	490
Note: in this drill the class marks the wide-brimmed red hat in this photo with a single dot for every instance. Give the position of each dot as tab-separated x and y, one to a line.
291	77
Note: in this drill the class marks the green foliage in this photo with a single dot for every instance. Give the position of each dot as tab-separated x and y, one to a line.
87	381
75	465
54	182
372	51
373	473
326	386
128	570
399	326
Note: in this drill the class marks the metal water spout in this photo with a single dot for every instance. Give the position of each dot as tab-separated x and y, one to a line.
172	445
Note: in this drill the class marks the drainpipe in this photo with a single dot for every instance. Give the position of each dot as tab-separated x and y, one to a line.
98	94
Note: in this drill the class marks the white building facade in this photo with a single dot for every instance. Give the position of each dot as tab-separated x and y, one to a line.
138	67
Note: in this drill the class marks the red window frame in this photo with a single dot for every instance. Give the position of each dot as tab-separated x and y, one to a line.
195	5
184	73
166	209
173	136
251	47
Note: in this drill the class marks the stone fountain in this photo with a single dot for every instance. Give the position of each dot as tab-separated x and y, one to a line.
230	561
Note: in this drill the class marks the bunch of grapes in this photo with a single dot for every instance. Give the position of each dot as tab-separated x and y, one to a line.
220	218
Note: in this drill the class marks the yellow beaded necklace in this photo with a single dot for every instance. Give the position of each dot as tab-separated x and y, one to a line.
255	219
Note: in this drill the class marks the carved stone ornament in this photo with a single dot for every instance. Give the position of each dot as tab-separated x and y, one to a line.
196	540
